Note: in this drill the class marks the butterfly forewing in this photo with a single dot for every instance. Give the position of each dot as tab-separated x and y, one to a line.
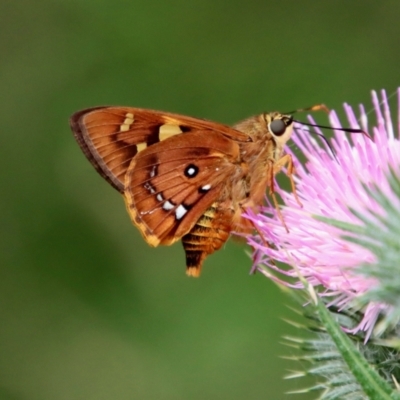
101	133
111	136
170	185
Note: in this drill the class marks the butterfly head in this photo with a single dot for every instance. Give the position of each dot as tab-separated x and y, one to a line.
279	125
280	128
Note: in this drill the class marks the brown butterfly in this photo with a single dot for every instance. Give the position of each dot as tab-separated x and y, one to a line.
182	177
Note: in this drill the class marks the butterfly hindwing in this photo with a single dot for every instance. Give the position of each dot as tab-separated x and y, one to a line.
170	185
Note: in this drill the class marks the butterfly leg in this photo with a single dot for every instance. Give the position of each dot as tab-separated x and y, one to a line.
287	161
278	210
257	192
272	171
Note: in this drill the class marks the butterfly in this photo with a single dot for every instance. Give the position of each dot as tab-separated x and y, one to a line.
185	178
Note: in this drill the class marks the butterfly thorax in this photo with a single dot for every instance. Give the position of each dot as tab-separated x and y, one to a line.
258	128
262	152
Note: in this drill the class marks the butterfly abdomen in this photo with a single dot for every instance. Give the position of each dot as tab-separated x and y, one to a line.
209	233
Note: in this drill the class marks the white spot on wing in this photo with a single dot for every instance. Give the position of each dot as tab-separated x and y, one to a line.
206	187
191	171
180	211
150	188
168	206
159	197
147	212
153	172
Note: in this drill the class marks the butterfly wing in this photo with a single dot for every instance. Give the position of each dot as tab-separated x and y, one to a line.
170	185
174	172
111	137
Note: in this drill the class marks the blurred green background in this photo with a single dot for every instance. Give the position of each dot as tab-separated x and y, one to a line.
88	311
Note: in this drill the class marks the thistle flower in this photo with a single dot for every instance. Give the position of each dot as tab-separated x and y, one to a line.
345	236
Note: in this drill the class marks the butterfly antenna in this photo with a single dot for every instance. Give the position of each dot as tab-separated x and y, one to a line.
316	107
323	107
350	130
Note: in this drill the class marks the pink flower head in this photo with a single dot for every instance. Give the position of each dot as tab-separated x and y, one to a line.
334	187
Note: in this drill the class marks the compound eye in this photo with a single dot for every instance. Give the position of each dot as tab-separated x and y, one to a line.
277	127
